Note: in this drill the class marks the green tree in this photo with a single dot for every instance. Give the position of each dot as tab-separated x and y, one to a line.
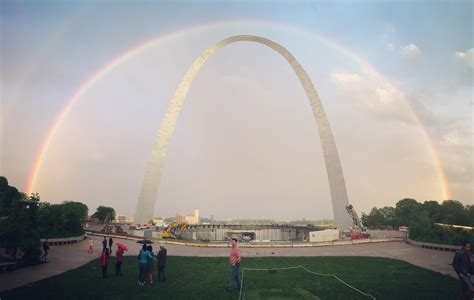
18	222
453	213
373	219
379	217
61	220
406	211
423	227
470	215
80	209
433	210
104	213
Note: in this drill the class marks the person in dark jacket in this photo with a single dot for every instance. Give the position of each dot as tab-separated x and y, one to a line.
462	266
104	244
161	263
45	249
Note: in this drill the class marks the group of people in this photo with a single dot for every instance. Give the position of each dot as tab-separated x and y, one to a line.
146	260
104	261
90	248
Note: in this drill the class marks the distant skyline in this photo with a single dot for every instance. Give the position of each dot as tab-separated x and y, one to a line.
92	81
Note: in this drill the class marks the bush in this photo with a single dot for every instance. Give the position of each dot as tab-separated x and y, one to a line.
32	250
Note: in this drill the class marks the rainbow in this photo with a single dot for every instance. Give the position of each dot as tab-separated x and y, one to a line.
134	51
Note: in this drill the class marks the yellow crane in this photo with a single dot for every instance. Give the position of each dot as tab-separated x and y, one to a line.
174	230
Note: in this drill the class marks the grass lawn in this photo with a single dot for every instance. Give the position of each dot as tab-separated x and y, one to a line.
206	278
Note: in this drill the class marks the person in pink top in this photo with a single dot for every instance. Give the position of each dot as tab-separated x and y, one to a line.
118	262
234	262
104	261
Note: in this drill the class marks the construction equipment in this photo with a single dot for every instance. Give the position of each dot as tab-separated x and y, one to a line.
174	230
119	230
107	229
358	230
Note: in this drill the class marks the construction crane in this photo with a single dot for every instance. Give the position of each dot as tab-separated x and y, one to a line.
174	230
358	229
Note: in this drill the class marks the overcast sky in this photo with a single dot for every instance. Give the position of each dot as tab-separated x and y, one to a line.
395	79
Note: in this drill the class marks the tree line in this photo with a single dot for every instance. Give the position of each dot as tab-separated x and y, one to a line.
25	219
421	218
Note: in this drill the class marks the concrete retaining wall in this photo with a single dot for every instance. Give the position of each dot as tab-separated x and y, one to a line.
441	247
272	244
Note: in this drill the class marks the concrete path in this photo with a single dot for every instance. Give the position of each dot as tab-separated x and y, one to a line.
67	257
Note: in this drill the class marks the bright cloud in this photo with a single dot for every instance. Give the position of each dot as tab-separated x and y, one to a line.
467	57
375	94
410	51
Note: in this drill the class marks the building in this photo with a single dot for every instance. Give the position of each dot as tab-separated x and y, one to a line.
190	219
326	235
123	219
158	222
248	233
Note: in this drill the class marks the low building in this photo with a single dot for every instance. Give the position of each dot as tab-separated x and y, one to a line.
123	219
159	222
248	233
326	235
190	219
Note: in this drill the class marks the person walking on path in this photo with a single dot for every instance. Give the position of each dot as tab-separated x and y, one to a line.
143	258
90	249
104	262
161	263
234	262
104	243
111	242
118	261
149	274
462	266
45	249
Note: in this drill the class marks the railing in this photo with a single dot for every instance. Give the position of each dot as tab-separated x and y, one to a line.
64	241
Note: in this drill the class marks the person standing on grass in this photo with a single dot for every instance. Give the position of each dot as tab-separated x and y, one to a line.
143	258
462	266
161	263
90	249
234	262
111	242
104	243
149	274
118	261
45	248
104	261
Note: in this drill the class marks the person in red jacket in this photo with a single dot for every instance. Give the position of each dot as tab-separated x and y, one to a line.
104	261
118	261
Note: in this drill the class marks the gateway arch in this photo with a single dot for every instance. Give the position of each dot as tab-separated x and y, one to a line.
151	180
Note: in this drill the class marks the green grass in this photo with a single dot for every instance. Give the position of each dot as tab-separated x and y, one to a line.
206	278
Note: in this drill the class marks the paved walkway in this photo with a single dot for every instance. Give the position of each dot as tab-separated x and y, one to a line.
67	257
